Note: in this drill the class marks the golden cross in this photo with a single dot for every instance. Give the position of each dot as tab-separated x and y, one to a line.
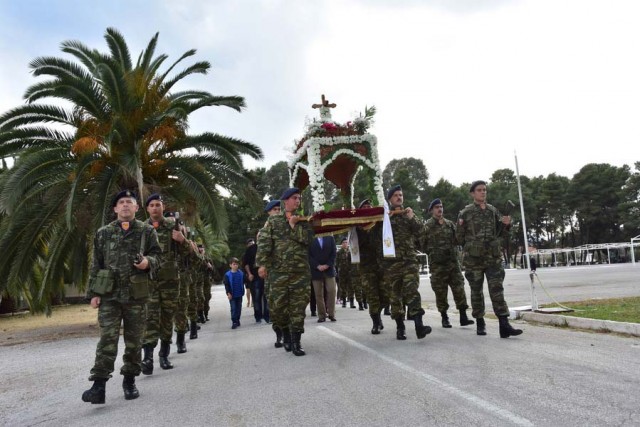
325	103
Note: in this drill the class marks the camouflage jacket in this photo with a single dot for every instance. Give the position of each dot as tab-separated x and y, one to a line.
282	248
477	230
172	252
406	235
440	241
115	249
343	263
370	245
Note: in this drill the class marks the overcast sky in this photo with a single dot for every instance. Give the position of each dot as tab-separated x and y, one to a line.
461	85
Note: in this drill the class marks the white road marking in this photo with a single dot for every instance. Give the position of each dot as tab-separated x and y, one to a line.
483	404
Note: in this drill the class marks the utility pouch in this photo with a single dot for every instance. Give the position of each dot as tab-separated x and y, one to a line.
168	271
103	283
495	248
474	250
139	286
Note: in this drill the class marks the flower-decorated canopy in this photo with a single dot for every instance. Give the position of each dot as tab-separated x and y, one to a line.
336	152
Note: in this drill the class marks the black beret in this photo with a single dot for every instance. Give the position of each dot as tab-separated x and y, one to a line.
364	202
474	184
434	202
250	240
151	198
344	239
393	190
272	204
289	192
120	195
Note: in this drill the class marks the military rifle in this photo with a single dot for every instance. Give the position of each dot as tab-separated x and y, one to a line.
508	208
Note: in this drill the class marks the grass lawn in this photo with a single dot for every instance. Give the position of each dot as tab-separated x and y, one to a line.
617	309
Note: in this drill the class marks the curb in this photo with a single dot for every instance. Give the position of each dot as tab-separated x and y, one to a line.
580	323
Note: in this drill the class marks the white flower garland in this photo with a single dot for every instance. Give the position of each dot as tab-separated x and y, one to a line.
315	167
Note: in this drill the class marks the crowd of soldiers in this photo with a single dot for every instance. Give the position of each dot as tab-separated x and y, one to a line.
378	281
149	277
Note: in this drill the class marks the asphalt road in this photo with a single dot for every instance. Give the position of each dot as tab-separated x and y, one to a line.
547	376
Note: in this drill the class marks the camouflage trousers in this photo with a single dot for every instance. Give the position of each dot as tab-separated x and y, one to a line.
476	268
161	309
112	314
207	296
402	278
290	297
200	294
192	308
377	292
180	318
447	275
357	288
344	285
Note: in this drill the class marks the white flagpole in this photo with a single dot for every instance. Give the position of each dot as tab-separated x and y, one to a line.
534	300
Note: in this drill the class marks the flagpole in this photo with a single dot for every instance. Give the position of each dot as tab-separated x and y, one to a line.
534	300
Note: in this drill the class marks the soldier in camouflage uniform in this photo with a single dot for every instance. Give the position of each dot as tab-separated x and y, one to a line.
440	245
343	266
272	208
371	261
283	248
196	293
165	289
478	231
125	252
181	319
401	274
207	274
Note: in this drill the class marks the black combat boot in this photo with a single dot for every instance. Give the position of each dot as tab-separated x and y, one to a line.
351	304
182	346
344	302
286	339
163	355
506	330
147	361
386	311
421	329
96	393
376	324
194	330
201	316
445	320
296	346
206	315
129	387
278	342
400	329
360	306
464	320
481	328
364	303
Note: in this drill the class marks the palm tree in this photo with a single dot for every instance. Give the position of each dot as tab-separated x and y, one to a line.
121	126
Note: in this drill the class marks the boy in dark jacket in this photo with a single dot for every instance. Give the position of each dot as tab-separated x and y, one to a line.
234	287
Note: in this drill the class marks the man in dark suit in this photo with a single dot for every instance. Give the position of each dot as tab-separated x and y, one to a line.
322	259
